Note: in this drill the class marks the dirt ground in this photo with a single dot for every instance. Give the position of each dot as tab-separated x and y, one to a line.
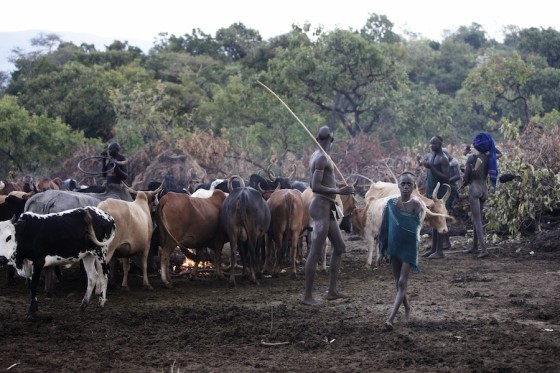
498	314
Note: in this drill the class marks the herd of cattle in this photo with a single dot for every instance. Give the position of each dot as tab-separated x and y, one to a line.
264	220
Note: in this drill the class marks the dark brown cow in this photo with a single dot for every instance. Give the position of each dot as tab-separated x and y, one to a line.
286	210
190	222
245	217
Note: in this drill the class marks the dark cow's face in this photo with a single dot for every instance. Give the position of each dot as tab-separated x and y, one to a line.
7	239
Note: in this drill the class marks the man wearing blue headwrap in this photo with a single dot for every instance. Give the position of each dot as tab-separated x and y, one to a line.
477	169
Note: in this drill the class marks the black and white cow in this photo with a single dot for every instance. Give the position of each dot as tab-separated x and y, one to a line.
35	241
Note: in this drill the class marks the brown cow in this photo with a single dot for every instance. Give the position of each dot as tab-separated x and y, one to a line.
6	187
190	222
286	210
134	231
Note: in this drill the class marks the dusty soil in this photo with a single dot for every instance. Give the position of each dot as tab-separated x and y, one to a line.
498	314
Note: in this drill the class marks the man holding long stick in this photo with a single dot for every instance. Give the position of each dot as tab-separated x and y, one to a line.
323	211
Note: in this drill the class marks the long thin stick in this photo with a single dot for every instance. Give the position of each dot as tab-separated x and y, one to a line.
305	128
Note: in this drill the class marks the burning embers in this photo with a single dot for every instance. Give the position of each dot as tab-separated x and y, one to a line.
181	265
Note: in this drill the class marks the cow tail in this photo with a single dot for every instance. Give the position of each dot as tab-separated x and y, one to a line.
163	224
249	231
91	232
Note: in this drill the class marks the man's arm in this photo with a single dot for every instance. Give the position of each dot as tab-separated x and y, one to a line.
468	170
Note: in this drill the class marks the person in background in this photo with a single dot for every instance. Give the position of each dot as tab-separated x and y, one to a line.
438	172
454	177
478	168
399	239
115	165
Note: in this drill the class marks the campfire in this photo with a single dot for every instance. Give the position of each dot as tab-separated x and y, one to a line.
181	265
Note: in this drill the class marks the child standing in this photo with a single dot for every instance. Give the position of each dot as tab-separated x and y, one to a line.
399	239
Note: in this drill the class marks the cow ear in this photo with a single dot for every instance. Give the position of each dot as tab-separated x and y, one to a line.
14	219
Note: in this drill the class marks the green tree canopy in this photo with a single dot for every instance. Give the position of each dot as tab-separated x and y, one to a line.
32	143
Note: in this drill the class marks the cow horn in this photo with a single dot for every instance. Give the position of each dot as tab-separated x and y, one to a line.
132	191
230	181
294	168
2	185
123	163
271	174
446	216
435	193
447	194
153	193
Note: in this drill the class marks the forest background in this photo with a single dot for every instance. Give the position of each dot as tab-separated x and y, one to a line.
197	96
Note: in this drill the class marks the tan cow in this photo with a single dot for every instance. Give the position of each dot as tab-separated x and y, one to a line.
439	214
366	221
286	210
134	231
190	222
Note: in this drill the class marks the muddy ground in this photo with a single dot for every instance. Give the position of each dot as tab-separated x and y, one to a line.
498	314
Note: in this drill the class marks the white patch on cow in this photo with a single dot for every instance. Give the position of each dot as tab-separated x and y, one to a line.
26	270
7	239
56	260
215	183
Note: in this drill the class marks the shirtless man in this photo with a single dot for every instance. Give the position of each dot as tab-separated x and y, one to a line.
322	210
477	169
438	171
399	238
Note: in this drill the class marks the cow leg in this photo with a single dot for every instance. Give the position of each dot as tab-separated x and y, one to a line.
278	250
268	249
34	306
371	246
232	260
294	251
51	278
146	283
164	265
218	261
92	275
126	268
102	278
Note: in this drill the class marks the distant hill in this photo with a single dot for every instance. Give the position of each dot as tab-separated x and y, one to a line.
21	39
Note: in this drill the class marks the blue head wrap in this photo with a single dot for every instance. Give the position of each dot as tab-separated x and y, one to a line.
484	143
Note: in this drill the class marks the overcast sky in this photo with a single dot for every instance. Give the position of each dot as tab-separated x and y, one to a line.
139	19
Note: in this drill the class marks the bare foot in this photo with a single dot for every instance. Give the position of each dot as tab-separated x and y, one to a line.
312	302
427	254
388	326
336	295
483	254
436	255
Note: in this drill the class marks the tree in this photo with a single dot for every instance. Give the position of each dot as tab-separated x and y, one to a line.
32	143
497	87
350	80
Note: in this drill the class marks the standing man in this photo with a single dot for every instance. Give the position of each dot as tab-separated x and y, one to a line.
477	170
438	172
323	210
